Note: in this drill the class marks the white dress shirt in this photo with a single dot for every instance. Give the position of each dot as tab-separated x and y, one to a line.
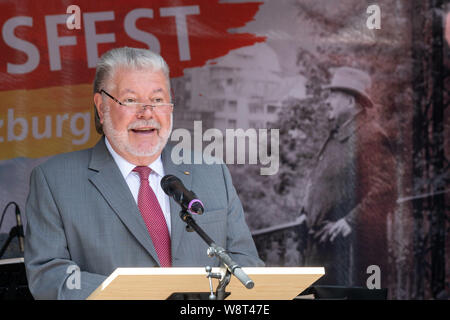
133	181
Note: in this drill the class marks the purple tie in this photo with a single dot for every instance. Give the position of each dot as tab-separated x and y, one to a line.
154	218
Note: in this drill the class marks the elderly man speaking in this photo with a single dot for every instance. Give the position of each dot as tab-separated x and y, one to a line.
102	208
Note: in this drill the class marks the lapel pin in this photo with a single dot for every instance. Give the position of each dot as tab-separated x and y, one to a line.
187	173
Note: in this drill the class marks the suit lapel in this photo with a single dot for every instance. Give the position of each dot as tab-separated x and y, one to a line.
110	183
178	227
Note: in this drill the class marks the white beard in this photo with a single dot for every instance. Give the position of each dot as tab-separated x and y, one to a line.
120	138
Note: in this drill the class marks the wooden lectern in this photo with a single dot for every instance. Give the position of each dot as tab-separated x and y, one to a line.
161	283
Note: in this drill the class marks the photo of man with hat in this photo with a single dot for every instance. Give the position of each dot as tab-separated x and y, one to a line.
351	189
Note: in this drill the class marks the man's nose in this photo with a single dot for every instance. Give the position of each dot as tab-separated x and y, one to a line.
145	112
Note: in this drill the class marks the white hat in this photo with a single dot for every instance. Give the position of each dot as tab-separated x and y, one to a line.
352	80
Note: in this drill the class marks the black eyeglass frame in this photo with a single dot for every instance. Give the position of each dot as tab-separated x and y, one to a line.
143	104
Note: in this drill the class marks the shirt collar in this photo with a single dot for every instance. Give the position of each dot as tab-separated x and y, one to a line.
126	167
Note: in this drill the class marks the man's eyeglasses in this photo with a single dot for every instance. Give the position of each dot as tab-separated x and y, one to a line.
157	107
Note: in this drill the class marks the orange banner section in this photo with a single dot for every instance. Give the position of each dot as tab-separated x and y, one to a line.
43	122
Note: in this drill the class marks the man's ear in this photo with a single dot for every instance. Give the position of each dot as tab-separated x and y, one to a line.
98	101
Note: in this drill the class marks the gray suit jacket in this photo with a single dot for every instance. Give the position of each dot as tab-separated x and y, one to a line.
81	213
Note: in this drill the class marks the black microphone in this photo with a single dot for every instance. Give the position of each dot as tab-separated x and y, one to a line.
188	200
19	229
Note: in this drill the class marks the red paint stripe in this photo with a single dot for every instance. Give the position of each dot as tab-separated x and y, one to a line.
207	32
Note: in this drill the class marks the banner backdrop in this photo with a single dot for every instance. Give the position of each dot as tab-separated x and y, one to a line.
367	198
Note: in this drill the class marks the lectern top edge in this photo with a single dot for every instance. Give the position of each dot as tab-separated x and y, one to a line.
160	271
201	271
11	260
284	270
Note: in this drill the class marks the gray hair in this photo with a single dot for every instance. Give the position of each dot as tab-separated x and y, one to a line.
133	58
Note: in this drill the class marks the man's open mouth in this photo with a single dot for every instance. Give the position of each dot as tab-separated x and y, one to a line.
144	130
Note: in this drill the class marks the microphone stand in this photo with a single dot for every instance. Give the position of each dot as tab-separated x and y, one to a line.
219	252
14	232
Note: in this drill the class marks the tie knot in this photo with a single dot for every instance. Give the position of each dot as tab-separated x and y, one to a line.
143	172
